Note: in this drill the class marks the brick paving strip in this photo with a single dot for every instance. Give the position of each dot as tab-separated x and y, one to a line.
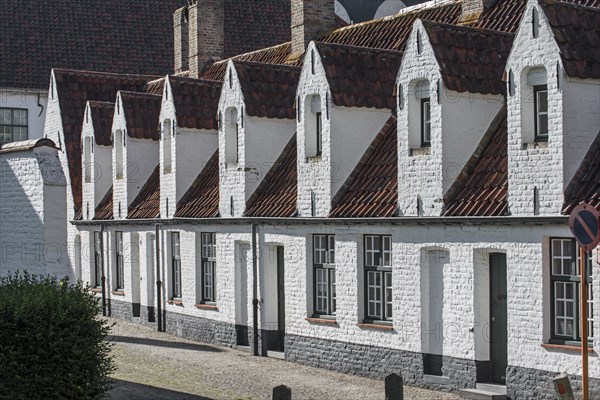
160	366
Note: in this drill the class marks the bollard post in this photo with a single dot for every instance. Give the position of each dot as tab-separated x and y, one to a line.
394	387
562	386
282	393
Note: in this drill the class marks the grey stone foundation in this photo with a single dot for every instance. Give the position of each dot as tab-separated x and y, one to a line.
525	383
119	309
377	362
202	329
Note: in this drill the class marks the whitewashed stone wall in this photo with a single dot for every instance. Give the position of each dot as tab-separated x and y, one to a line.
140	157
99	165
260	142
33	233
190	151
346	134
458	122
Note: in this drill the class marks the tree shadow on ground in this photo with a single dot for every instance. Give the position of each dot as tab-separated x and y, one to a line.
124	390
163	343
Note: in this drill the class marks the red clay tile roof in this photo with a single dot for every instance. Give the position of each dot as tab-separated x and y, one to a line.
105	207
196	102
482	186
360	76
156	86
470	60
272	55
255	24
371	190
202	198
276	195
577	33
269	90
126	36
102	118
147	203
585	185
74	89
391	32
141	113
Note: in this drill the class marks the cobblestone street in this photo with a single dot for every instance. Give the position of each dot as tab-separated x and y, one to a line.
154	365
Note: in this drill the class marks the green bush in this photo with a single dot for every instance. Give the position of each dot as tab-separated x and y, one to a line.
52	343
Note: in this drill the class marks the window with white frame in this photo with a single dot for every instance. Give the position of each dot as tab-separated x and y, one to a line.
313	126
119	143
324	275
97	259
175	266
540	98
565	288
209	263
231	136
534	105
378	278
419	114
13	125
119	262
425	122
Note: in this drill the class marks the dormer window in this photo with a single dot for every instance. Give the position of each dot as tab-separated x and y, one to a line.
540	97
313	126
425	122
167	148
534	107
118	143
87	156
231	136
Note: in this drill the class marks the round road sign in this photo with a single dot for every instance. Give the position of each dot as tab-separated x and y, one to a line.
585	226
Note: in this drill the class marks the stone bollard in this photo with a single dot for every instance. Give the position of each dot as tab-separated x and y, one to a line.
394	387
282	393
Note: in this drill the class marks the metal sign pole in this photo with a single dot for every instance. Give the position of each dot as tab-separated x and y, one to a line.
584	323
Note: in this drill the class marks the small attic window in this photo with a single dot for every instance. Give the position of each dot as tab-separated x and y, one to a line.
313	126
230	80
87	156
312	61
231	136
118	144
535	22
534	105
419	116
419	43
167	147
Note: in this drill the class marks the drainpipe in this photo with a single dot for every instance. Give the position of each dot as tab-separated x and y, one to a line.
254	290
158	281
102	266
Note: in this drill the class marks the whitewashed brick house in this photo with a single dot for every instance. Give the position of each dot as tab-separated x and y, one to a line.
402	228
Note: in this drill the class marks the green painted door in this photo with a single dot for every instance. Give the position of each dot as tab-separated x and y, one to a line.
280	298
498	318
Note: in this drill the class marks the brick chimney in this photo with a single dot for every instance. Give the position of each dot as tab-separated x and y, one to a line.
471	9
181	37
311	19
206	33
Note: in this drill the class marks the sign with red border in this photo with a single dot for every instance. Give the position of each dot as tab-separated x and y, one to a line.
585	226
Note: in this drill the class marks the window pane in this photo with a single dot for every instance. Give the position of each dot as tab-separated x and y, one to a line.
331	259
374	294
387	251
5	116
20	117
564	308
542	101
208	281
321	290
542	124
388	295
333	293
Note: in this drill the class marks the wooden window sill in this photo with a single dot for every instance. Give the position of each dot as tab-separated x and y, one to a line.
175	302
118	293
324	321
96	290
376	326
206	307
566	347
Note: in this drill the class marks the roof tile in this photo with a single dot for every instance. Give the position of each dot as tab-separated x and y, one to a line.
102	118
105	207
147	203
141	113
202	198
196	102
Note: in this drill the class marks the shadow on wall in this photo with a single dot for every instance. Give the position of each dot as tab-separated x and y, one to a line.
125	390
22	245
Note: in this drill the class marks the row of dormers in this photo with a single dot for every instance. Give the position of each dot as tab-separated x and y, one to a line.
447	89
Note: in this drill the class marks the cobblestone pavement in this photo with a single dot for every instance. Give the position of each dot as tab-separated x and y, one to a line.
159	366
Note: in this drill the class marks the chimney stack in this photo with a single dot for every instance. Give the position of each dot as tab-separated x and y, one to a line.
471	9
181	38
206	33
311	19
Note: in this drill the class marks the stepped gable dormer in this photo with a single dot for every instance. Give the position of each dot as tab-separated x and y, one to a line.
189	135
553	74
135	134
449	89
96	155
257	120
344	97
